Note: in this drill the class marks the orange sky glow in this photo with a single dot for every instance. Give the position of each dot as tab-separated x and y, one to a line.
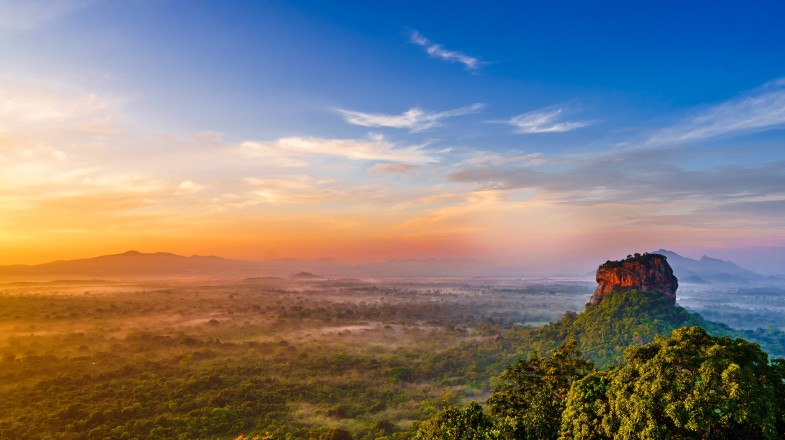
216	144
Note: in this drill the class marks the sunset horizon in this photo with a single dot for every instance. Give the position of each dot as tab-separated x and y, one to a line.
271	130
402	220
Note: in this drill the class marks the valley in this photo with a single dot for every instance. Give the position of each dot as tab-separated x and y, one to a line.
285	356
301	356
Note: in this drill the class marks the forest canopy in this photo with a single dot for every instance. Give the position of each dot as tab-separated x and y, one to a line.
688	385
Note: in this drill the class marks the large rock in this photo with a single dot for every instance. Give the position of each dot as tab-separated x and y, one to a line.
646	273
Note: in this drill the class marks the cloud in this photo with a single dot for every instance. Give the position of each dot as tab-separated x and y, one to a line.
643	176
20	15
482	158
544	121
413	119
98	180
393	168
188	187
289	182
26	104
373	148
437	51
293	188
288	189
761	109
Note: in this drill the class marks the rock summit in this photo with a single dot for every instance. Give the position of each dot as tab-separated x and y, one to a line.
643	272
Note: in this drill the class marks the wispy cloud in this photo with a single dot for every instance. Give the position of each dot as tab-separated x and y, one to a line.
292	188
373	148
289	189
20	15
634	177
437	51
393	168
28	103
47	130
761	109
544	121
413	119
188	187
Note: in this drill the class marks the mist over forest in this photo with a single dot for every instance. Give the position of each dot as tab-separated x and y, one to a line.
300	355
359	220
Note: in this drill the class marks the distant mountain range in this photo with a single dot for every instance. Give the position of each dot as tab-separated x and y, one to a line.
130	264
134	264
709	270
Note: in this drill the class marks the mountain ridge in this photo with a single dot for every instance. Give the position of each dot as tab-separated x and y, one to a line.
133	263
129	264
709	270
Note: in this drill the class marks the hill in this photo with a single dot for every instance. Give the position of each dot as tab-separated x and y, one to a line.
134	264
131	264
624	312
305	276
707	270
663	372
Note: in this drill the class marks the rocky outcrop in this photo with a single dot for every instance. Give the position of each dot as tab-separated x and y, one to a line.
646	273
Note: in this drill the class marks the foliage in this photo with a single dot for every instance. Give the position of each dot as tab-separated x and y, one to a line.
343	358
329	359
526	403
644	258
532	392
469	423
586	406
690	385
625	318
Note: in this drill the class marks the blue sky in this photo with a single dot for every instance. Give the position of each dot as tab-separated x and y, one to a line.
538	133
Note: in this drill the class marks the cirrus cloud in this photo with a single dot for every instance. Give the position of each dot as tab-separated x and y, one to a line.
414	119
640	176
373	148
544	121
393	168
760	109
39	105
451	56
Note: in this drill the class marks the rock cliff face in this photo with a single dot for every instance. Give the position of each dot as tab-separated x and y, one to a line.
647	273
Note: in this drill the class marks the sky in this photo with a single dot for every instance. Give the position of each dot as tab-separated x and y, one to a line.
539	135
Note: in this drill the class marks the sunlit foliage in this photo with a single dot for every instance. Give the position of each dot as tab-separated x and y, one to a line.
532	392
690	385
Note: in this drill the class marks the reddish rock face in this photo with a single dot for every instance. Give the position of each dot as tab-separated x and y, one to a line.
646	273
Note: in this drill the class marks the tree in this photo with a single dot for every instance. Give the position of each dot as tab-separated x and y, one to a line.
586	407
532	392
454	423
336	434
690	385
777	380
